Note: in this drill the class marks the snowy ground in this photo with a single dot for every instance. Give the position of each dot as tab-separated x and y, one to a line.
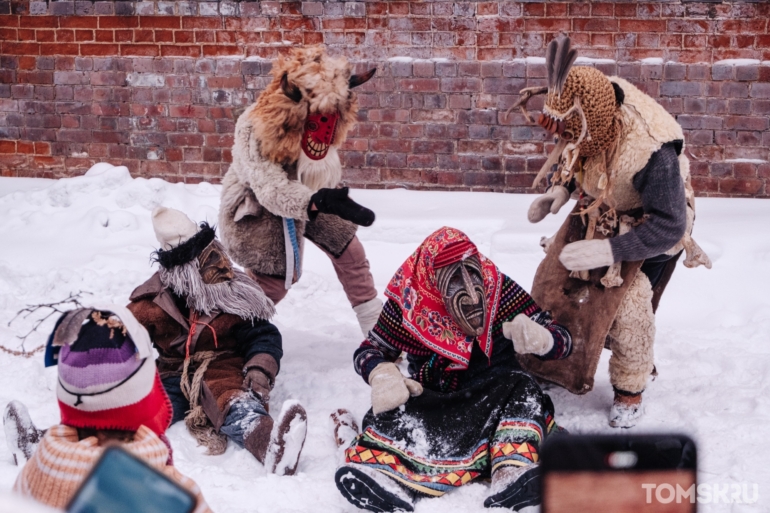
93	233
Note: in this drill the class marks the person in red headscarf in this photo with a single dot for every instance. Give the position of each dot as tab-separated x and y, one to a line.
467	411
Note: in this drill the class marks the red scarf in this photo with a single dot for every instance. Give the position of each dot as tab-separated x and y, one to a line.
424	315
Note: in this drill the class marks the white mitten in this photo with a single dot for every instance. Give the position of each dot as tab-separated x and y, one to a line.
528	336
587	254
390	388
551	201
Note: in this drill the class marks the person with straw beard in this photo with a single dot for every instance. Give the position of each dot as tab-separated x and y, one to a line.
219	353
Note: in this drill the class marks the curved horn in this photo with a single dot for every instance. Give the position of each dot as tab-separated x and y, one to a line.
290	90
357	80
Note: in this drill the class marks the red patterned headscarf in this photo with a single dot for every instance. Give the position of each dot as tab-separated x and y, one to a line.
424	315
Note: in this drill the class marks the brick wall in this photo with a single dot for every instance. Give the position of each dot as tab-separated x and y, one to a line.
155	85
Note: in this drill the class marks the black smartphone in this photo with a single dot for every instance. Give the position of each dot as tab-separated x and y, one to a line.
619	474
122	483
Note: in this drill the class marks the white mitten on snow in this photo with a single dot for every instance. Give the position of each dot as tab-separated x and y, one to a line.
367	314
551	202
528	337
584	255
390	388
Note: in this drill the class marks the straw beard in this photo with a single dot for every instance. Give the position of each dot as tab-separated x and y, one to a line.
240	296
317	174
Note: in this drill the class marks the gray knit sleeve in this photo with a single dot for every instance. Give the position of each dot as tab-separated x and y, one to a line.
662	190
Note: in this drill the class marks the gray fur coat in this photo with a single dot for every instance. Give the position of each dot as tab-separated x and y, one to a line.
256	195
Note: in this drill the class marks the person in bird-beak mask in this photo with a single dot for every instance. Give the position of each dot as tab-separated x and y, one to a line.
622	156
466	411
282	186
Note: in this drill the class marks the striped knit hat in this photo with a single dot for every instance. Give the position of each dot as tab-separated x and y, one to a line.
107	374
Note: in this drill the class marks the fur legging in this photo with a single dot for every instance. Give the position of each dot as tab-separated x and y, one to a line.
632	336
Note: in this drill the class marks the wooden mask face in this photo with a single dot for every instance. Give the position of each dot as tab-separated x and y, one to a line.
215	266
462	288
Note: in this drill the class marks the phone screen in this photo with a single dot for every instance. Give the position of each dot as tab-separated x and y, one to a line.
121	483
621	474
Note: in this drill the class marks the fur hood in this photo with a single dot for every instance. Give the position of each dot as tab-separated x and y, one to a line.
324	83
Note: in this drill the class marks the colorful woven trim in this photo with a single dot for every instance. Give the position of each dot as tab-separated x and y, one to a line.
424	475
516	443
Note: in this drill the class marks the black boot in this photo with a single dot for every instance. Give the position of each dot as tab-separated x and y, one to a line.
522	492
372	490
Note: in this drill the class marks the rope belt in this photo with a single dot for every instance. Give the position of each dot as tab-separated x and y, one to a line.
196	420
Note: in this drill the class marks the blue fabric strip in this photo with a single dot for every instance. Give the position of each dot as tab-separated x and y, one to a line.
291	228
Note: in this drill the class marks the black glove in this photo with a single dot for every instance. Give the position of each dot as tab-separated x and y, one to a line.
337	202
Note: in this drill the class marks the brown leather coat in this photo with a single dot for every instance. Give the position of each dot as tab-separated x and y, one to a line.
155	308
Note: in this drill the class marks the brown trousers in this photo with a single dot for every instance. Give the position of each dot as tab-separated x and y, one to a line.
352	268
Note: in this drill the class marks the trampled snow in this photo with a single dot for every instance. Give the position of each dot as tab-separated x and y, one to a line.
93	234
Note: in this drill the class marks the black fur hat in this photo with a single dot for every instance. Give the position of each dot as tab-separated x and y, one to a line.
188	250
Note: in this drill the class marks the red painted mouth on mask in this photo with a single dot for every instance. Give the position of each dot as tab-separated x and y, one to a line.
552	124
319	134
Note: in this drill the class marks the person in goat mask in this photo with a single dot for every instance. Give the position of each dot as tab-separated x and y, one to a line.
467	411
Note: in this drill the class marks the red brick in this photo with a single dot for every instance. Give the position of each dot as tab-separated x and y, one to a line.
205	36
8	34
104	36
139	50
745	186
180	51
41	36
9	21
20	48
213	51
42	148
642	25
124	36
187	111
99	49
118	22
162	22
534	9
189	22
65	35
143	36
39	22
7	146
84	35
27	63
83	22
549	24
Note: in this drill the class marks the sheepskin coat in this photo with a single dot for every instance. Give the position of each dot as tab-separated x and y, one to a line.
237	340
647	126
256	194
263	185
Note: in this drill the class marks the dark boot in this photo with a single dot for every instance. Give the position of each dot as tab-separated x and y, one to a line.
371	490
21	435
515	488
258	439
